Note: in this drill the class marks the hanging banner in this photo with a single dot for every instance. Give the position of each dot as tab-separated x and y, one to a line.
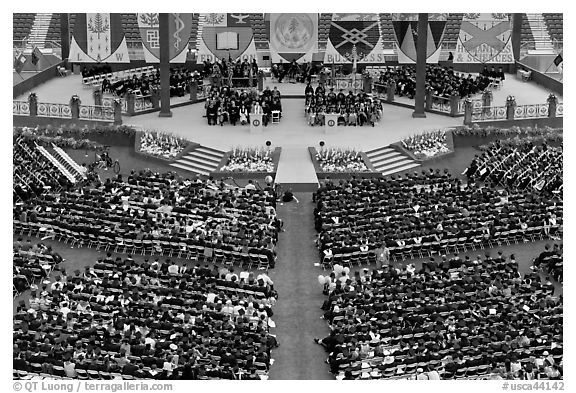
98	38
351	33
226	36
485	38
406	32
179	26
293	37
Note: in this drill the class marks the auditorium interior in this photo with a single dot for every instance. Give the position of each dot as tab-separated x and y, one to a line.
288	196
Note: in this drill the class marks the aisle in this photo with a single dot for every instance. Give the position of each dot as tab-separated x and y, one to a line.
297	313
296	170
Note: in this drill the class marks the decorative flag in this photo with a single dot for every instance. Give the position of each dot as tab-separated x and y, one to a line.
559	63
406	31
98	38
485	38
226	36
359	31
180	27
36	56
19	62
293	37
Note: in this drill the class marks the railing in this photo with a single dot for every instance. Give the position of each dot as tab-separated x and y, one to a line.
142	103
531	111
441	104
89	112
20	108
108	102
54	110
489	113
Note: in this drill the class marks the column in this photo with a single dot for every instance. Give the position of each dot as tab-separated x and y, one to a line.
421	66
516	38
64	36
117	112
164	66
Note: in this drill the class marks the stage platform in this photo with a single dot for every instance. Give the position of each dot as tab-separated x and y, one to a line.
293	134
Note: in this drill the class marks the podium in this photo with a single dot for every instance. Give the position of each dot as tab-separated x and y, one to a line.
330	123
256	123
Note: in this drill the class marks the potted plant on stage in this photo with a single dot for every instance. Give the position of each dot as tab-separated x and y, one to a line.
552	104
75	106
33	102
510	107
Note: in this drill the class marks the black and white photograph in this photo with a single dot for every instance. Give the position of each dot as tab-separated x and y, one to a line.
279	196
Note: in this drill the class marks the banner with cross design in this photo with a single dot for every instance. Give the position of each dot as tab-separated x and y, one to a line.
485	38
98	38
226	36
179	26
354	35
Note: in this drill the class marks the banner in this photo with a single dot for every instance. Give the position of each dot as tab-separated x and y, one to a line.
19	62
293	37
406	32
485	38
226	36
179	26
98	38
351	33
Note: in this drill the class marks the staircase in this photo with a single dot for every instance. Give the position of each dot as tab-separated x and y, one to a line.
542	41
388	161
201	160
56	163
39	30
67	162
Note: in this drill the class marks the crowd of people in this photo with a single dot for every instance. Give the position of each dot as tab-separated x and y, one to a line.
352	109
420	214
33	174
551	262
443	81
160	213
32	262
519	164
229	105
150	319
230	73
180	80
467	319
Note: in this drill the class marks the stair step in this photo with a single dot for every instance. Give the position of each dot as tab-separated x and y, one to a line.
384	167
197	163
189	168
204	156
383	164
388	156
375	153
400	168
211	151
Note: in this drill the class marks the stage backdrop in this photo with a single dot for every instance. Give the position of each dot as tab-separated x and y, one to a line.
293	37
351	33
226	36
180	26
485	38
98	38
406	32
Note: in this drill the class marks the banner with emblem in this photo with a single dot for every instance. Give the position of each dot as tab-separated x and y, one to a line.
485	38
179	26
226	36
98	38
293	37
406	32
359	33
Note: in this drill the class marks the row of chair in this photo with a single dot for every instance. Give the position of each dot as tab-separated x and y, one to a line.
144	247
91	81
442	247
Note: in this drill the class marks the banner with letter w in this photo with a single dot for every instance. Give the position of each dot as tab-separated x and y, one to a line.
98	38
